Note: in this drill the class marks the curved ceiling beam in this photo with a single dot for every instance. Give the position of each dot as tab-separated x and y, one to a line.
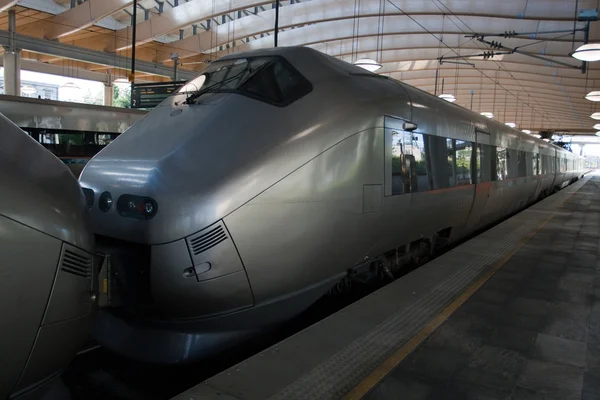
371	26
395	38
6	4
540	95
176	18
75	19
449	70
334	10
474	76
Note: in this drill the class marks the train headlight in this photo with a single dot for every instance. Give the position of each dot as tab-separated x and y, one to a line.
105	202
89	197
137	207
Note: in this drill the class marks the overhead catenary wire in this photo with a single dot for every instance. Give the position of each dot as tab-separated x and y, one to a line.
497	63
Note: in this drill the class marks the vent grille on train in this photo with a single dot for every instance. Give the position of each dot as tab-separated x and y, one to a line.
205	241
77	263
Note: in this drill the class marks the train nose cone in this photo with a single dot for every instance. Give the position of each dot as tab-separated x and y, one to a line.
164	158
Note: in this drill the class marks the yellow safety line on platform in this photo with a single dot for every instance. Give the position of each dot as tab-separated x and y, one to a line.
388	365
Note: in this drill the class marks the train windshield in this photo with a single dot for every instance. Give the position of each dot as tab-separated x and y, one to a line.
269	79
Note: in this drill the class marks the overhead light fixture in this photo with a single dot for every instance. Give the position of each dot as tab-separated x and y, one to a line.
595	115
597	133
28	89
448	97
537	136
527	131
587	52
487	114
597	127
368	64
546	139
70	85
593	96
121	80
511	124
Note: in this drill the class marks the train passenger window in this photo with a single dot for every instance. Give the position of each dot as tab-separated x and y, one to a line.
521	163
484	163
512	162
423	170
451	150
535	163
464	152
501	164
403	163
436	162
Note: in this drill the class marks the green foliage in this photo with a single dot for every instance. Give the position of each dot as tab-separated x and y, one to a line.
121	96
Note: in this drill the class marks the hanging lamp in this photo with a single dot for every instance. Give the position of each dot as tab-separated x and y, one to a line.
28	89
593	96
368	64
587	52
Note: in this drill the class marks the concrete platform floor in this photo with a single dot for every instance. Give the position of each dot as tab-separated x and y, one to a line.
511	314
531	332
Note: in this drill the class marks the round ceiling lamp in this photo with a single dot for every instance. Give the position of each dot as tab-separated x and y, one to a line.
595	115
527	131
597	133
448	97
511	124
368	64
587	52
537	136
593	96
70	85
487	114
597	127
28	89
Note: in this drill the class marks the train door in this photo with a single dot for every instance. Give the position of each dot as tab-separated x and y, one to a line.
482	166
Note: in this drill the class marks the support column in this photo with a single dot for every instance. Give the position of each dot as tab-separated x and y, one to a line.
109	91
12	60
12	72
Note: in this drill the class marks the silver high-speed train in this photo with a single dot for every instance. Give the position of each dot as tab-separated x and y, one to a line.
277	173
47	285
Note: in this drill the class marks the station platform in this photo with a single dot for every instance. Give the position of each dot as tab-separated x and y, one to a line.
513	313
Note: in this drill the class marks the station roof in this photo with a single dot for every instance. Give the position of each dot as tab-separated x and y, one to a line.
538	87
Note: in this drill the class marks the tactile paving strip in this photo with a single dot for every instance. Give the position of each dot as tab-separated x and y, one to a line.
336	376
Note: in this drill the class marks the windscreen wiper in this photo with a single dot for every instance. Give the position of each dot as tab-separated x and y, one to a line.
207	89
200	92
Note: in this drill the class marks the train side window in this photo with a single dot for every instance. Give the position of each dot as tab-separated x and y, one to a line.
464	152
484	163
512	161
422	170
403	163
436	162
501	164
451	155
521	163
535	163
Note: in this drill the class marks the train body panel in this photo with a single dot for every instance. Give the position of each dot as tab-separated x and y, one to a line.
46	265
263	207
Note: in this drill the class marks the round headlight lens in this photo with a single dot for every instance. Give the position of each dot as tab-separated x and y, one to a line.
89	197
105	202
137	207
